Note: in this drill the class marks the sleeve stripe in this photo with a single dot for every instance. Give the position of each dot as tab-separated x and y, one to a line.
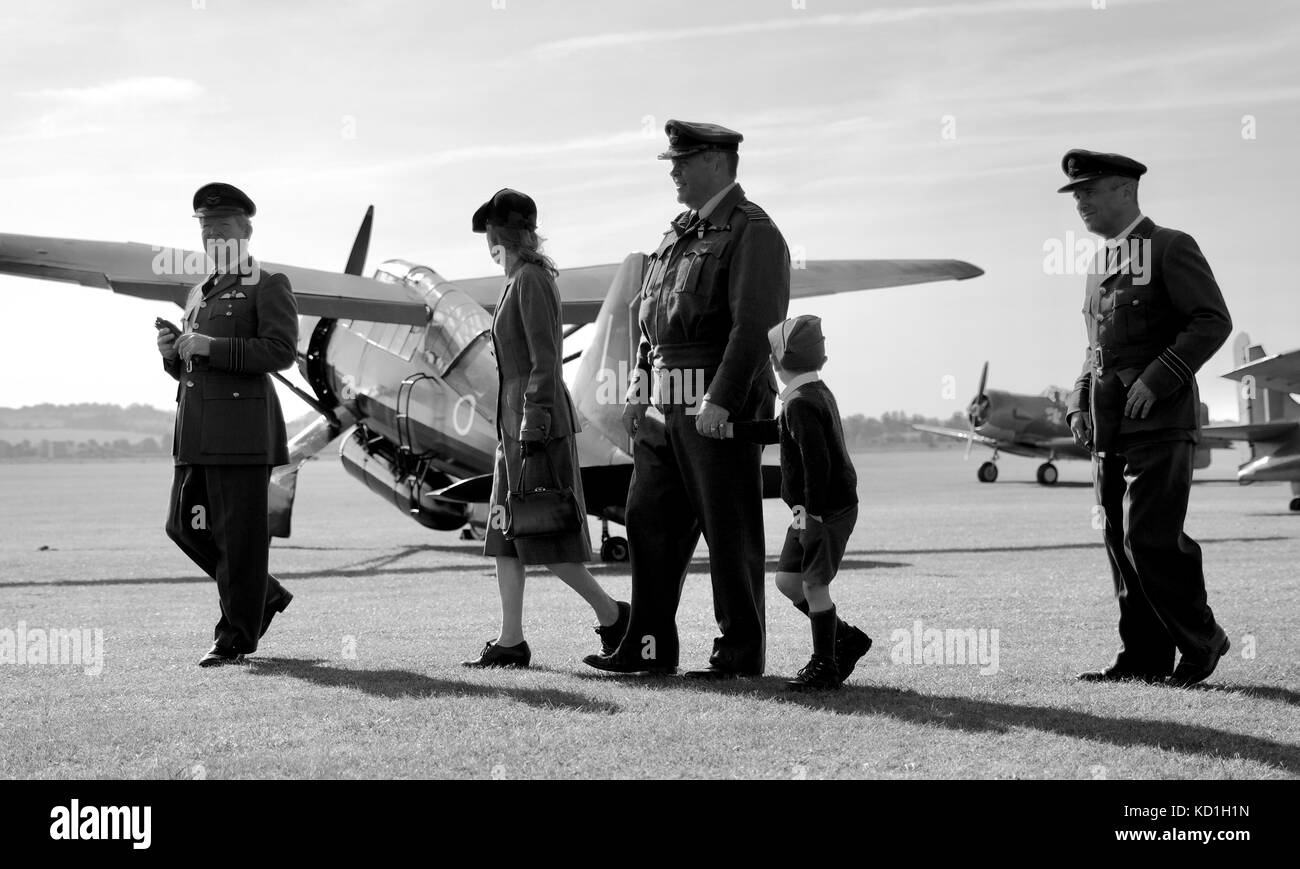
1176	372
1179	360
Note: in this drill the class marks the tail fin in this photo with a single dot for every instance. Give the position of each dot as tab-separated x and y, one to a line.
1249	408
1256	404
605	366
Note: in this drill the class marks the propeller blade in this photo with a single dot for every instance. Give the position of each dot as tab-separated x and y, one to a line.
976	407
357	259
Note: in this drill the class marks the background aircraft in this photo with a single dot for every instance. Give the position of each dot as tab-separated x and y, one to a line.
402	364
1033	426
1269	414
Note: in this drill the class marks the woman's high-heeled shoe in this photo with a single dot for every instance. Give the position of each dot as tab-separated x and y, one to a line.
494	655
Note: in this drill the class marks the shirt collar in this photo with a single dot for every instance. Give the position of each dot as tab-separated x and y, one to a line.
706	211
1126	231
797	381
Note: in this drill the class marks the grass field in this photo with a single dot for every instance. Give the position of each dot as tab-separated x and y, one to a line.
359	678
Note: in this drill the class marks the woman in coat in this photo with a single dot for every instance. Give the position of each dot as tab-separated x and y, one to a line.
536	418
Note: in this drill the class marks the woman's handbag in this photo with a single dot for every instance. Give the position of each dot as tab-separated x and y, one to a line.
541	511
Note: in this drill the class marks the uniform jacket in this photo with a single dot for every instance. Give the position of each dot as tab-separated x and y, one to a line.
709	295
533	403
1162	331
227	411
816	470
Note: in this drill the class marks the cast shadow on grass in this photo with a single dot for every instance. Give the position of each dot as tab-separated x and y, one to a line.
700	564
1061	484
985	716
397	684
1048	547
380	565
1256	692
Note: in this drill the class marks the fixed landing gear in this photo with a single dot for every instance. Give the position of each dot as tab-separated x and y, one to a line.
987	473
1047	474
611	548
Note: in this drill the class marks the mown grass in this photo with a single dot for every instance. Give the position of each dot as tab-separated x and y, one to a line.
360	677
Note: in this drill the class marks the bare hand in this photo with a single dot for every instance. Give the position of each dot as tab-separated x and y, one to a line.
633	414
711	421
1140	400
1081	428
193	344
167	344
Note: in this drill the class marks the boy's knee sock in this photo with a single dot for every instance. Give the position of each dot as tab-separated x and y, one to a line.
841	627
823	633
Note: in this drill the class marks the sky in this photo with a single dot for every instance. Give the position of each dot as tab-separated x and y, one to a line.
872	129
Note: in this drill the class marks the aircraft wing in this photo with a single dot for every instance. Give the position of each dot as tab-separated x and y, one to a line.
583	290
1254	432
957	434
159	273
1280	373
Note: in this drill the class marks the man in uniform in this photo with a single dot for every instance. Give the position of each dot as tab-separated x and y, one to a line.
240	324
1154	316
718	281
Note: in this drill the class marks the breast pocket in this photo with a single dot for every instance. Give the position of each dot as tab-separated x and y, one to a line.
232	318
234	416
698	265
1133	311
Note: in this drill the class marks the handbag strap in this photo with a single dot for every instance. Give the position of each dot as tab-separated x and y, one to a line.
523	470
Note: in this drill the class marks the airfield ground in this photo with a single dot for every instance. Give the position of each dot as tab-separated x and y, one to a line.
360	677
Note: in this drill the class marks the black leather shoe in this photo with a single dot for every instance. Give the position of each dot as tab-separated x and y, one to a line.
714	672
1188	673
218	657
612	635
494	655
615	664
819	674
279	605
849	650
1120	674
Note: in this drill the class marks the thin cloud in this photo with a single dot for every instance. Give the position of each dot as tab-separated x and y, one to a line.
802	21
145	90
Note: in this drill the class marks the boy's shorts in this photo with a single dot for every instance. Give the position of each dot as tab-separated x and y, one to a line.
816	551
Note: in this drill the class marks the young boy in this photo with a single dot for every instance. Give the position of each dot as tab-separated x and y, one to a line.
821	487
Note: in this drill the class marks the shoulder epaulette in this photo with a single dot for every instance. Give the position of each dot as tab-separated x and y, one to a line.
753	212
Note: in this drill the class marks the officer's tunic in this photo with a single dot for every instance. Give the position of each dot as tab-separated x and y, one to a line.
711	290
229	433
1163	331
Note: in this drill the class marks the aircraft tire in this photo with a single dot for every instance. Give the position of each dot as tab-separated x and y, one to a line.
987	473
614	549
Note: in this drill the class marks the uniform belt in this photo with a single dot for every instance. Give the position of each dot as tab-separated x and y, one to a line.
679	386
1110	359
695	354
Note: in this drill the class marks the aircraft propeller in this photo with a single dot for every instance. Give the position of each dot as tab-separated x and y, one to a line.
977	413
357	258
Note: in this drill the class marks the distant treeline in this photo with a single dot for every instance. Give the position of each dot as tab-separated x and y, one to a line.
90	431
895	428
